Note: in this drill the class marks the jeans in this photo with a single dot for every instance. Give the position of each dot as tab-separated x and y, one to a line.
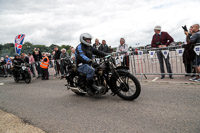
88	70
168	65
63	69
57	67
32	67
188	67
38	68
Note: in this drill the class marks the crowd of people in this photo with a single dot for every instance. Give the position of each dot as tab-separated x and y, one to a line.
190	59
39	62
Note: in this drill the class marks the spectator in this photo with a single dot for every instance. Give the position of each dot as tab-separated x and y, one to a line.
32	64
97	44
44	67
188	54
2	67
8	65
25	58
50	60
63	56
53	62
37	57
195	38
162	40
123	50
56	59
73	57
104	47
110	50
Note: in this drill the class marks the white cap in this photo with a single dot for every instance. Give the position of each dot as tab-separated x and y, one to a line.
157	27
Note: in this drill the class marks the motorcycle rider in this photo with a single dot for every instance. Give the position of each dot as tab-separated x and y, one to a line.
84	62
17	64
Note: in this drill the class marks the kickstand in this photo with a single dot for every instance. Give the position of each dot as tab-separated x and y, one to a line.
145	76
142	76
112	94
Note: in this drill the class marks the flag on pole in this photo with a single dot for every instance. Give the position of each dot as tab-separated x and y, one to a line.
19	42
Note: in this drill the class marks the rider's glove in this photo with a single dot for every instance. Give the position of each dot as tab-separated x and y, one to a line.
90	62
95	64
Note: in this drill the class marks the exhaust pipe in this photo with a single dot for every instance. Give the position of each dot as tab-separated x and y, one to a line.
75	89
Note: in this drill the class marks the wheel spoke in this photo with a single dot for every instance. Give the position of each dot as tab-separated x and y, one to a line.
127	79
128	84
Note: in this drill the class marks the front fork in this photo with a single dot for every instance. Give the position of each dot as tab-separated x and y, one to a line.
119	79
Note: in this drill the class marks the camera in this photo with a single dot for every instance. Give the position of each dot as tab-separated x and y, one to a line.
158	43
185	28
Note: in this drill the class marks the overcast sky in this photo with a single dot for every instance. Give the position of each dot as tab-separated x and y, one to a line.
62	21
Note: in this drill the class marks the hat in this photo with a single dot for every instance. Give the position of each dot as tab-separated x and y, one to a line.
157	27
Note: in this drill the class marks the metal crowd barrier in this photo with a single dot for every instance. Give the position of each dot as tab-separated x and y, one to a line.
145	62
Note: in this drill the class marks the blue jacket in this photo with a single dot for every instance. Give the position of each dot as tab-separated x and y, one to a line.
84	53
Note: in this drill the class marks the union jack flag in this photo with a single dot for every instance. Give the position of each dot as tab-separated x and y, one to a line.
19	42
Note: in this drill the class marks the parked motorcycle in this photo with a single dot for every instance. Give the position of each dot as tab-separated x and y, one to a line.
23	74
108	76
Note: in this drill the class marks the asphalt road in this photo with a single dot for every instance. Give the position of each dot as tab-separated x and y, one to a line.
161	108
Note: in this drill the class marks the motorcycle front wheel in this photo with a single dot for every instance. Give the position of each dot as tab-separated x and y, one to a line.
27	77
127	86
16	80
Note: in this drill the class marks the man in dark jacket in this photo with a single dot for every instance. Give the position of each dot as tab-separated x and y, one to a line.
57	59
195	40
188	54
37	57
97	44
104	47
84	53
25	58
162	40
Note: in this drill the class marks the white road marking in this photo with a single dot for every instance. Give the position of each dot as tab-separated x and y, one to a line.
155	79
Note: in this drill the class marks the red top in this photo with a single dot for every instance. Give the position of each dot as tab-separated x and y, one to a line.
164	38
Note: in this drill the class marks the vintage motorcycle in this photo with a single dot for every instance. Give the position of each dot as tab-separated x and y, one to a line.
108	76
23	74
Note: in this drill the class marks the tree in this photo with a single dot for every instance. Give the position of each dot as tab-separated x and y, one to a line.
27	47
1	48
8	45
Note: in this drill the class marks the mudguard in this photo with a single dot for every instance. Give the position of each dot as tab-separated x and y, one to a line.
122	67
